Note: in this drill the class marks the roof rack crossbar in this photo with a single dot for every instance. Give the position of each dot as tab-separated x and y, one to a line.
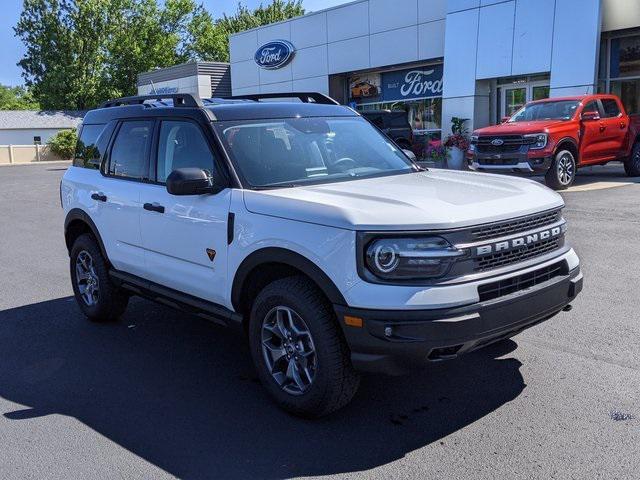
179	100
304	97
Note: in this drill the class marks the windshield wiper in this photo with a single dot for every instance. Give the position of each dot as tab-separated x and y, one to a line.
274	186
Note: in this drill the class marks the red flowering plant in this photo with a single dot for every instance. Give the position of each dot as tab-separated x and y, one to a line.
458	138
435	152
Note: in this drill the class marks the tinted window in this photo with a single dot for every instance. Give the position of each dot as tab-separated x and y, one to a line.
87	152
591	107
611	108
130	150
182	144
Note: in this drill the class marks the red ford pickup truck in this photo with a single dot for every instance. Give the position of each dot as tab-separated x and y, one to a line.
559	135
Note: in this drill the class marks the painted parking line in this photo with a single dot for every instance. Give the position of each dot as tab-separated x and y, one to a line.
600	185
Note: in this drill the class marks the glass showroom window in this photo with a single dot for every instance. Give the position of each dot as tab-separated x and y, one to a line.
620	69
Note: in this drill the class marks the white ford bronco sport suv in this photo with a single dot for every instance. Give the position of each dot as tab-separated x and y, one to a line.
301	224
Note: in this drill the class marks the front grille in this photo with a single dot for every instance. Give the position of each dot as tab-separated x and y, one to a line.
511	143
497	149
521	282
515	226
502	259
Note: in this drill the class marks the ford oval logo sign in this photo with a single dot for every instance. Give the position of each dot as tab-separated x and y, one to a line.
497	142
275	54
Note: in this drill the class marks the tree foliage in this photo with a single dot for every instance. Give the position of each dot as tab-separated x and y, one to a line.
63	143
82	52
16	98
211	38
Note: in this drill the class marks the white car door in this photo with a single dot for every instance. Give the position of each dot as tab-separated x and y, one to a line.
117	195
185	237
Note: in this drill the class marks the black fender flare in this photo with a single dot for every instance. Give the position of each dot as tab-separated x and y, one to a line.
570	140
78	214
286	257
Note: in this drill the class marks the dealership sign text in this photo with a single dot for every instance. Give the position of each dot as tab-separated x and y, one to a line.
274	54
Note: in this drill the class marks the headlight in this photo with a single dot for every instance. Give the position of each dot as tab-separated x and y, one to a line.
474	139
411	258
537	141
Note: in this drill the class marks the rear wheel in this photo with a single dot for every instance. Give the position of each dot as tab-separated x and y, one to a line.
298	349
98	298
562	172
632	165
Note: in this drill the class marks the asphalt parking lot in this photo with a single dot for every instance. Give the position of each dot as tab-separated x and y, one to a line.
162	395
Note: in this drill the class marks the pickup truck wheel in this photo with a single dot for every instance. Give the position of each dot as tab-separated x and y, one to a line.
632	165
562	172
298	349
98	298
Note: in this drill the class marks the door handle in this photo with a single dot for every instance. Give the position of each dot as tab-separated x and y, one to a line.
153	207
100	197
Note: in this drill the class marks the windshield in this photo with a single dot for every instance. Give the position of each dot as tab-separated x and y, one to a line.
561	110
295	151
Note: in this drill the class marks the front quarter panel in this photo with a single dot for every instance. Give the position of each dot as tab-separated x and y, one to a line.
329	248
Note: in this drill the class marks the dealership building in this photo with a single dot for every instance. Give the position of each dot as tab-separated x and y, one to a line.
438	59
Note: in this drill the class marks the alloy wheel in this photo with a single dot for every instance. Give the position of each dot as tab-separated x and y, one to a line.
565	169
87	279
288	350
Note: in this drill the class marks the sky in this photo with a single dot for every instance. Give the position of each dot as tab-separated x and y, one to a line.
11	49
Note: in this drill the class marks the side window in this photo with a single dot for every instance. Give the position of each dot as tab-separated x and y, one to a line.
130	149
611	108
181	145
87	153
591	107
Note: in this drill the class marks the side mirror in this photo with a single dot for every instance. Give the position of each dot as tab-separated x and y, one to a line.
505	119
590	116
410	154
190	181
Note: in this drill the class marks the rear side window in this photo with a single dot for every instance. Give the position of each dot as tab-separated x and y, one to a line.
88	155
611	108
182	145
130	150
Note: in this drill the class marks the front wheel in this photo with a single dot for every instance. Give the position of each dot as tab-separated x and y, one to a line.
562	172
632	165
298	349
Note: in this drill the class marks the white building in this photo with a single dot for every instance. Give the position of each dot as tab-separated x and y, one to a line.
29	127
438	59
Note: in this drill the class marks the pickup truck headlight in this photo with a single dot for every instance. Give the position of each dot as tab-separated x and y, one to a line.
537	141
411	258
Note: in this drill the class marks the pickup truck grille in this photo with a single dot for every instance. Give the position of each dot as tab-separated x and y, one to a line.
515	226
510	144
502	259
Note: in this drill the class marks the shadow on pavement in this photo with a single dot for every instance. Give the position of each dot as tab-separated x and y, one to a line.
181	393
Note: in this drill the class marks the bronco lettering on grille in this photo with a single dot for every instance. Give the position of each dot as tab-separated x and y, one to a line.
520	242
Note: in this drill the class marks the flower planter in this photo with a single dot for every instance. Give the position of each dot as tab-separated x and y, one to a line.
455	160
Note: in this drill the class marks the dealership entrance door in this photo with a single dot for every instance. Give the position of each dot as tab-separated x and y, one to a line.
514	93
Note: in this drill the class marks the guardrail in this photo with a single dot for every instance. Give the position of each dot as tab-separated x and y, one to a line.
10	154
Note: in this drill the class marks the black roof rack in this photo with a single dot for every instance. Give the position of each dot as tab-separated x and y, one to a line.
304	97
179	100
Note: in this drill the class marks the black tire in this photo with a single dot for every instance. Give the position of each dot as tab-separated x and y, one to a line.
334	381
562	172
110	301
632	165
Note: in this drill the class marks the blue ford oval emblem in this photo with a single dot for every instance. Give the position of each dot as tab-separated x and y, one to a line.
497	142
274	54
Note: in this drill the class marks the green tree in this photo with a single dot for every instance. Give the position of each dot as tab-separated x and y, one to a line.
63	143
16	98
210	38
81	52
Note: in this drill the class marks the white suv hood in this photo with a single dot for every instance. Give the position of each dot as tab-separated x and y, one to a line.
437	199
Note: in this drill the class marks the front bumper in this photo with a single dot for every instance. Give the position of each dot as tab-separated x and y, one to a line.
396	341
518	161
